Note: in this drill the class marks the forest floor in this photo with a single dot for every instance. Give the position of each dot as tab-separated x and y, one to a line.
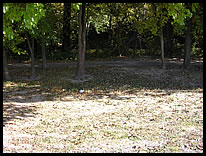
129	105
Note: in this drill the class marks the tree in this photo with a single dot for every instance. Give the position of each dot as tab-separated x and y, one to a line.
43	46
33	35
159	14
6	74
158	17
66	28
31	48
22	18
80	74
162	49
188	43
45	31
168	31
184	14
188	38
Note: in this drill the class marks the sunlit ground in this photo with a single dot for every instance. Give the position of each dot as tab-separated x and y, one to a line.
126	107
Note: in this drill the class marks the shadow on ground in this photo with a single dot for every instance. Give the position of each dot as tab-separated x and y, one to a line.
125	76
15	111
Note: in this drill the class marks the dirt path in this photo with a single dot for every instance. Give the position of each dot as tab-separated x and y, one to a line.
121	62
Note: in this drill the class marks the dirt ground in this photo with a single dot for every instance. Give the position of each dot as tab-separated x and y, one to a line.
130	105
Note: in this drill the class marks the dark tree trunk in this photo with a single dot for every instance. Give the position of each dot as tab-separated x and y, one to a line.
32	61
162	49
140	41
52	49
135	47
111	40
43	48
31	48
188	43
6	74
66	28
168	31
80	74
87	30
119	42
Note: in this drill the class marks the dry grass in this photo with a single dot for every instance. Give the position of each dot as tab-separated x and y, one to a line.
132	108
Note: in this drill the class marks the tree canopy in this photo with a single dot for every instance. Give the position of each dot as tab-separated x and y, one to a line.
112	29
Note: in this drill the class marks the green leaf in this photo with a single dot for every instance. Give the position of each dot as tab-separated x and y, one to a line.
76	6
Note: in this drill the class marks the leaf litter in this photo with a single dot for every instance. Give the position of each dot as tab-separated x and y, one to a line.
126	107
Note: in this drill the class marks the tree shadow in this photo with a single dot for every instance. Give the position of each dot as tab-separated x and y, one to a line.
120	76
13	111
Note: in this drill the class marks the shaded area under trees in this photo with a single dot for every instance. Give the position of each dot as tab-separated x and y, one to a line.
112	30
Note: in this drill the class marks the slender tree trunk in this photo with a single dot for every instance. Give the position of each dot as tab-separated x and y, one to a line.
31	48
87	30
52	48
66	28
111	40
6	74
43	48
135	47
140	41
80	74
140	35
32	61
188	43
168	33
87	34
119	43
162	49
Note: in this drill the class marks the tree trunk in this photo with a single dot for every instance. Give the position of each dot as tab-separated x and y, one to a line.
135	47
80	74
188	43
111	41
31	48
43	48
66	28
162	49
140	41
87	30
168	29
6	74
32	61
119	42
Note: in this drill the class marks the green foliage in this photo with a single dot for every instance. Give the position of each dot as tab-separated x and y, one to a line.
27	15
13	44
98	16
33	13
109	27
179	12
157	15
76	6
17	18
197	30
46	25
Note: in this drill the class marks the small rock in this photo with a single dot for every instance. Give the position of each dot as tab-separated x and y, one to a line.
81	91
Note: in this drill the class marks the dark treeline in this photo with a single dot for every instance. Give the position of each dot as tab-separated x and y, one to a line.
111	29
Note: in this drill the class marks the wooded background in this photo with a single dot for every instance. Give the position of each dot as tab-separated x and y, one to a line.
50	31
